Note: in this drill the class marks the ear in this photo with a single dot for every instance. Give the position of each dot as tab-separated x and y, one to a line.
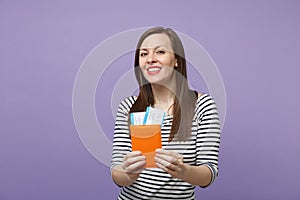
176	64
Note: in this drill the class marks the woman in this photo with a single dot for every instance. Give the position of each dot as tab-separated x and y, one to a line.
190	131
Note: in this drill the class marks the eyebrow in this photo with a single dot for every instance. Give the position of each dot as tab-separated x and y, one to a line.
146	49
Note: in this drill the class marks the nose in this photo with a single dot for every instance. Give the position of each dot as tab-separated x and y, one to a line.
151	57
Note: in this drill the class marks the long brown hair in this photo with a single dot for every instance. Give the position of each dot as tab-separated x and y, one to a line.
185	99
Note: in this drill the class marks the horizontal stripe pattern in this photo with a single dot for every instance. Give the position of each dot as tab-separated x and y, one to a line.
201	148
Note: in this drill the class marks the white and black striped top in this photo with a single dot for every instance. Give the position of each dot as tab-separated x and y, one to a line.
202	148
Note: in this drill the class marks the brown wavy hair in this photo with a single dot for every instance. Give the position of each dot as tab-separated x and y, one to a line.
185	99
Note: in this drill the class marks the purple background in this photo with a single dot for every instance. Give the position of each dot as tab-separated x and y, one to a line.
255	45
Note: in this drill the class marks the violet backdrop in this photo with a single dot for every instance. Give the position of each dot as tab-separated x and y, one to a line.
255	45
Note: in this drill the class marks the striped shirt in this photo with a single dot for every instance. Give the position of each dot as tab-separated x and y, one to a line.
201	148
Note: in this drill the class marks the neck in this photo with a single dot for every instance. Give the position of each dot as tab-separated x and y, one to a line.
163	97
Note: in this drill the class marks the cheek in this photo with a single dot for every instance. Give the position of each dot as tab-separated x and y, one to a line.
173	61
142	69
169	61
141	62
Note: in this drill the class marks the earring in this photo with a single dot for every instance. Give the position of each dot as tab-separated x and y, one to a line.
176	66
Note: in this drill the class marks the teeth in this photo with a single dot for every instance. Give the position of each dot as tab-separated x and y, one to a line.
153	69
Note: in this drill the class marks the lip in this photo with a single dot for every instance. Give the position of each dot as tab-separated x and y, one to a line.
153	70
153	67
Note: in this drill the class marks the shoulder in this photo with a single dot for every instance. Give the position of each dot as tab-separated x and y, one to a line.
129	100
204	102
127	103
203	97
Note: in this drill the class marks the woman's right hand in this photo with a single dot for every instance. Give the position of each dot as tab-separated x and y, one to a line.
133	164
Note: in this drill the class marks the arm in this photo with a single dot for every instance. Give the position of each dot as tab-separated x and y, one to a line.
121	178
207	145
208	136
126	173
125	165
197	175
172	163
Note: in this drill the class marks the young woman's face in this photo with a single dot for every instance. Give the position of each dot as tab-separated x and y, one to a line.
157	60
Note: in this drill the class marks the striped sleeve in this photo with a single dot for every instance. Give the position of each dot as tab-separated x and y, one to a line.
121	141
208	135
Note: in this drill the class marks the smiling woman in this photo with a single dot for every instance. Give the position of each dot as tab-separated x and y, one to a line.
157	60
190	131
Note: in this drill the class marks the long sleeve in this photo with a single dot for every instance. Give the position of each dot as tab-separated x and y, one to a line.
121	141
208	135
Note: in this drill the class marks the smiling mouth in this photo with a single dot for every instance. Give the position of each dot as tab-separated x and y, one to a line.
154	69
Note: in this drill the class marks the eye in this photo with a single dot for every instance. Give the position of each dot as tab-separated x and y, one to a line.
142	54
160	52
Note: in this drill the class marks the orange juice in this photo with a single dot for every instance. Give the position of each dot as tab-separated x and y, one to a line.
146	138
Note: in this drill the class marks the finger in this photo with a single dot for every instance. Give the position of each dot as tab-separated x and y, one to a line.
180	159
167	170
136	167
168	153
161	166
133	154
132	160
159	150
166	165
168	158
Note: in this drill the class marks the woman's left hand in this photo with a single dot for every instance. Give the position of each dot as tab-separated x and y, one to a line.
171	162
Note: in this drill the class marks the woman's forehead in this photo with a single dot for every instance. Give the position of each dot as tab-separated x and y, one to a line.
156	40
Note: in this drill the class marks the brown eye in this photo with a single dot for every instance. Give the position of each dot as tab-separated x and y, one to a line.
161	52
143	54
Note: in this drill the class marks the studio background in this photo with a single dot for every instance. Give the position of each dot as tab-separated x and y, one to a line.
255	45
